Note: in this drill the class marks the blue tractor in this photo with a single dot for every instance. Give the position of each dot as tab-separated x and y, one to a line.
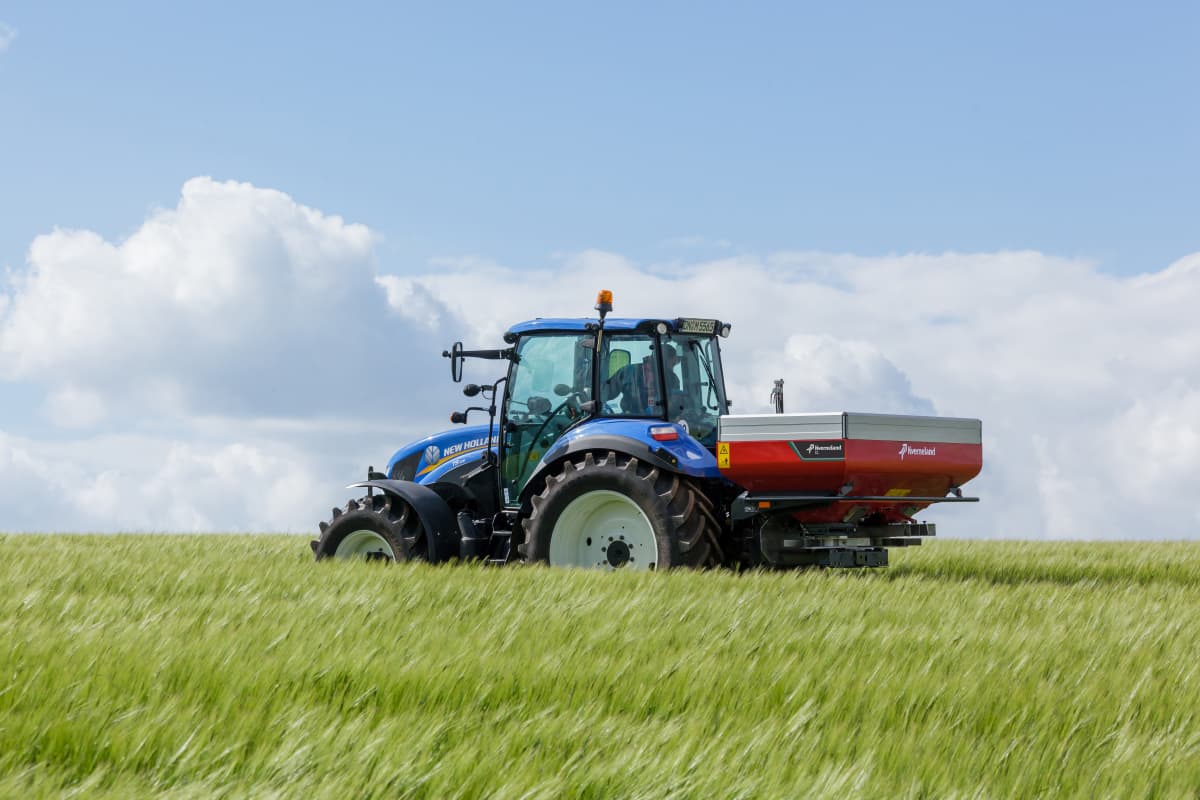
600	451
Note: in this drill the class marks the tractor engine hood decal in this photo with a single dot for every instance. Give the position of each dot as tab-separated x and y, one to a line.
425	456
435	457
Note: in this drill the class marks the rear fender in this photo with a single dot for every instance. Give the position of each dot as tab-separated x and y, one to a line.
661	458
635	436
437	518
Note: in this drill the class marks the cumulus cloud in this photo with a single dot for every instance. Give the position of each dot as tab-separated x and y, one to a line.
123	482
239	300
240	357
215	370
8	35
204	474
71	407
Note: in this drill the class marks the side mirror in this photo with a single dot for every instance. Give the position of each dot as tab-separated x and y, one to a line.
455	354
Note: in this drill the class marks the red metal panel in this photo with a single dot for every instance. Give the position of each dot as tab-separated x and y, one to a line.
872	468
774	466
928	469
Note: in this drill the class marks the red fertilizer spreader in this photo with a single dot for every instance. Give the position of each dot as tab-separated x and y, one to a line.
844	479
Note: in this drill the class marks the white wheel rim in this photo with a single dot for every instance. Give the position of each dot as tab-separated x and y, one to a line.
603	530
364	544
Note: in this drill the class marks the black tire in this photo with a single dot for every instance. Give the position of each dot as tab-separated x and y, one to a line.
685	530
387	517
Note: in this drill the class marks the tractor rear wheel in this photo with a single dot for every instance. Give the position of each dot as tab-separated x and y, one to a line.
379	527
613	511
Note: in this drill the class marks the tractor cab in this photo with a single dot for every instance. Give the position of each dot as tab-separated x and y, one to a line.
565	373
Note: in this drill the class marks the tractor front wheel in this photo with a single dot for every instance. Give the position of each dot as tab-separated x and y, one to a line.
615	512
379	527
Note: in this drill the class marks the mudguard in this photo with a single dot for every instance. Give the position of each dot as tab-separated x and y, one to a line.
437	518
684	455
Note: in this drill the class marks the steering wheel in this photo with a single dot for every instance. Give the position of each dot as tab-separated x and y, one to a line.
535	406
573	409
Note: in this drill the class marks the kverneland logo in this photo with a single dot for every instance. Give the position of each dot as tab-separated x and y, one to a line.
826	450
908	449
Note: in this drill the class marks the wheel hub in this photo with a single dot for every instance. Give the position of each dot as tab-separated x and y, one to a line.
366	544
617	554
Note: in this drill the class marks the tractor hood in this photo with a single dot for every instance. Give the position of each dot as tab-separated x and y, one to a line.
423	460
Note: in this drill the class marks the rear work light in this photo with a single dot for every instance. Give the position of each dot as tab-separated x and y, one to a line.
664	433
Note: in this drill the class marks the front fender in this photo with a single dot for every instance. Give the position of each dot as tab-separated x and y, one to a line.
437	518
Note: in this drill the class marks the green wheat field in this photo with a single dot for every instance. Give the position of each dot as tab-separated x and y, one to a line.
233	666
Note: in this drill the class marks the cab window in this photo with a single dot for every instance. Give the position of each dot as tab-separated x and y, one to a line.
695	386
629	384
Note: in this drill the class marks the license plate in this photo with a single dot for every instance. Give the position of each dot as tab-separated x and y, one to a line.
703	326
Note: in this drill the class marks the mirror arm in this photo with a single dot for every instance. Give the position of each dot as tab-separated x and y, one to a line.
494	355
460	417
457	355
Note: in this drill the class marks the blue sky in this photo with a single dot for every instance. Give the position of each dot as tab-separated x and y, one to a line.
212	215
518	131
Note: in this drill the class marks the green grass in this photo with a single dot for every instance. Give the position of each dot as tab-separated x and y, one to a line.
210	666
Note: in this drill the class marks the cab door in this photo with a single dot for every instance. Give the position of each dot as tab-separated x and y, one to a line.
550	380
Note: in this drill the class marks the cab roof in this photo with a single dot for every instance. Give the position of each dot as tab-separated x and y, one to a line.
684	325
569	325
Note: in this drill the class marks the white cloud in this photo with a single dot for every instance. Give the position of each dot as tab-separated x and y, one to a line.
237	301
241	357
1155	444
71	407
8	34
831	374
207	474
136	483
413	302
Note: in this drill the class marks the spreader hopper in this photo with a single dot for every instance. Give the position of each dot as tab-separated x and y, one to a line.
847	467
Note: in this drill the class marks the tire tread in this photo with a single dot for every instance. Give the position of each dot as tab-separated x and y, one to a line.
689	510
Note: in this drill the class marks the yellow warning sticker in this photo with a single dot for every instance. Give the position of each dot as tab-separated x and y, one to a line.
723	455
898	493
